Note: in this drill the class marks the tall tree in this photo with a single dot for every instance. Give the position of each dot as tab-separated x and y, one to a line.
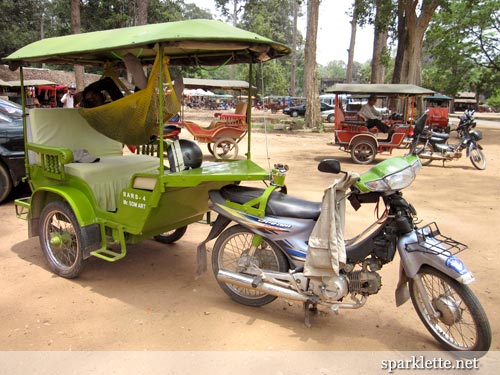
312	116
294	48
76	25
356	6
416	15
383	15
141	17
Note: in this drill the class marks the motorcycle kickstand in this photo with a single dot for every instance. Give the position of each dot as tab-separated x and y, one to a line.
309	307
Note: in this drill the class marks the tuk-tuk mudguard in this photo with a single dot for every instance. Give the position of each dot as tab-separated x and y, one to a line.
367	136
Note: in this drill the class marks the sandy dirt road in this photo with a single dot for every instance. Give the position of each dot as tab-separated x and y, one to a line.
152	301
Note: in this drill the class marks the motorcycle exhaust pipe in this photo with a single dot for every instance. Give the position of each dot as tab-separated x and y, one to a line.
245	281
433	157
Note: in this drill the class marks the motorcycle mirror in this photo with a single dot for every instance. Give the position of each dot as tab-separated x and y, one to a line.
329	166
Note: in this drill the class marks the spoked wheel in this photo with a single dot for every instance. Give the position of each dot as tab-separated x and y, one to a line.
171	236
477	158
225	148
230	252
462	324
427	150
363	151
61	239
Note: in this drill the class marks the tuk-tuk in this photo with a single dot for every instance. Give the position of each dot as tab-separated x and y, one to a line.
89	198
351	132
438	109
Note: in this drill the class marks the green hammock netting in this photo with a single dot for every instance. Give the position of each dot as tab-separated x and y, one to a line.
134	119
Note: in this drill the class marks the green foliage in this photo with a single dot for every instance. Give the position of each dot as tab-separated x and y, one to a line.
494	99
462	48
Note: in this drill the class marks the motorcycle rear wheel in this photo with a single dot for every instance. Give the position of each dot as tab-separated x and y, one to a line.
230	246
463	324
477	158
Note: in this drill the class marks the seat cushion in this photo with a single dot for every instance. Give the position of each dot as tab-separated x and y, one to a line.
111	174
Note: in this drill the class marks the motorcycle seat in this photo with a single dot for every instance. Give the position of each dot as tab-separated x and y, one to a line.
279	204
440	136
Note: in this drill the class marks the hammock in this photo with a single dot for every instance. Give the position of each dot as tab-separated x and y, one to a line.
133	119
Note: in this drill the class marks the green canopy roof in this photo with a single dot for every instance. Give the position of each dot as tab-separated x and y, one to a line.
191	42
380	89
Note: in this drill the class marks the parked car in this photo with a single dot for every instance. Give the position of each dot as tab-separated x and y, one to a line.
328	116
300	110
11	147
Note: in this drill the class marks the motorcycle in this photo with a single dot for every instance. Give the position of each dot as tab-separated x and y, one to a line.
270	253
436	146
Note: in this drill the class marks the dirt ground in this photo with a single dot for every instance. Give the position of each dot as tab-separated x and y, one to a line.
151	300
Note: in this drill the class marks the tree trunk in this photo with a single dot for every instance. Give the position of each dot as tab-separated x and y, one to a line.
294	49
400	60
415	27
75	23
350	51
235	23
141	17
378	68
379	44
312	117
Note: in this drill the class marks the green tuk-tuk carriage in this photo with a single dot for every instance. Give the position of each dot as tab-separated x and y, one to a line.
88	197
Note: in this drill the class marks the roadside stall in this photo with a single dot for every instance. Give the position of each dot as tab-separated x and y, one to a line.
88	198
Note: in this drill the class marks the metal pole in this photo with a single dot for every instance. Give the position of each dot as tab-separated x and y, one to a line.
25	119
249	111
160	108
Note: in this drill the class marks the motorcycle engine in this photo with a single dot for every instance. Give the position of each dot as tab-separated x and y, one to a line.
329	288
364	282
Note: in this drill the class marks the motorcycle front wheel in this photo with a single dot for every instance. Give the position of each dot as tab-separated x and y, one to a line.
477	158
230	253
462	324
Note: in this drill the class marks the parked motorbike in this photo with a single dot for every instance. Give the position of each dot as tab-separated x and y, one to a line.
466	122
267	254
436	146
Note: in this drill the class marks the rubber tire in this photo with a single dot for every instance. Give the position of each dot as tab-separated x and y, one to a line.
218	253
171	236
480	321
330	118
427	148
223	143
5	183
363	146
478	164
294	114
64	211
210	148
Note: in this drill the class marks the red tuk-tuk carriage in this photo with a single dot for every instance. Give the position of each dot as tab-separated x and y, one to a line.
438	108
351	132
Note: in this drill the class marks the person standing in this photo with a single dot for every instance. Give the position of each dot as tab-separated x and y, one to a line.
68	99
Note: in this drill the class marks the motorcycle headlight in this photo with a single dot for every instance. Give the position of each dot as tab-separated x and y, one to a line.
398	180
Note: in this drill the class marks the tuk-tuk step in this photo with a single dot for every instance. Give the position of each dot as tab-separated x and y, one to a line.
23	206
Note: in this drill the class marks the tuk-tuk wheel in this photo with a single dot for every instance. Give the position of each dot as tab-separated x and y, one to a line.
210	148
171	236
61	239
363	151
225	148
5	183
